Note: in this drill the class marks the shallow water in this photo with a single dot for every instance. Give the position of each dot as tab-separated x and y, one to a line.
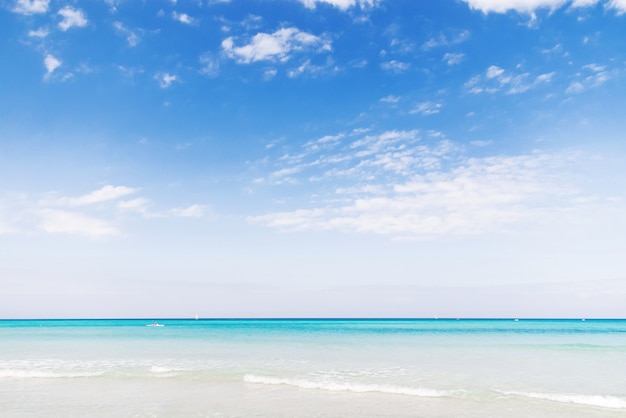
313	368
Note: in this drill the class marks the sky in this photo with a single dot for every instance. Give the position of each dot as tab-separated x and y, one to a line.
312	158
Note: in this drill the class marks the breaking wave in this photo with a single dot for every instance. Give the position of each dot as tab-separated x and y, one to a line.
350	387
604	401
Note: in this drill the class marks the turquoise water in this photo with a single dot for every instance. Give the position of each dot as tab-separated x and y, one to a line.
417	368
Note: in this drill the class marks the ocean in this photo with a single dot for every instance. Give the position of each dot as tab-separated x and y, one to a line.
313	368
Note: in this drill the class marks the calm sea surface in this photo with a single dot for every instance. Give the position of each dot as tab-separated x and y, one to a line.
313	368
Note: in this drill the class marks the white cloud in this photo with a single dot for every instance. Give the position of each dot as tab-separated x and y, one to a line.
59	221
270	73
39	33
494	71
390	99
417	184
100	213
427	108
575	87
619	5
277	46
104	194
474	196
395	66
446	40
307	67
29	7
583	3
72	18
530	6
193	211
497	80
358	155
183	18
165	80
592	75
453	58
137	205
131	37
503	6
341	4
51	63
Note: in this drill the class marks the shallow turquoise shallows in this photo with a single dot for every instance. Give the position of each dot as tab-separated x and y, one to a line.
313	368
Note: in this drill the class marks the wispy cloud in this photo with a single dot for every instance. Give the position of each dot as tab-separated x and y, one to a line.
420	185
39	33
72	18
496	79
131	37
193	211
395	66
446	40
307	67
592	75
466	196
359	156
453	58
210	65
102	213
427	108
61	221
104	194
139	205
278	46
341	4
390	99
30	7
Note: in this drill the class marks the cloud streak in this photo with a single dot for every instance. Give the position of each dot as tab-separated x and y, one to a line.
496	80
105	194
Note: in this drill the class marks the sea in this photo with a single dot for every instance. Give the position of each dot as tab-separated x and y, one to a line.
313	368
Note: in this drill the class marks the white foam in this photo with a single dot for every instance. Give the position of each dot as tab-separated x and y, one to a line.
613	402
349	387
162	369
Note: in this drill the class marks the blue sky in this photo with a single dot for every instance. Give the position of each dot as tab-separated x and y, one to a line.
312	158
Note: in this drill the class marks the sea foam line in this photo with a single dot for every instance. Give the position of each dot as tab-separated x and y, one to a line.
349	387
604	401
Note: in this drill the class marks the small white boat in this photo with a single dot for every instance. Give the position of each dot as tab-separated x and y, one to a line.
155	324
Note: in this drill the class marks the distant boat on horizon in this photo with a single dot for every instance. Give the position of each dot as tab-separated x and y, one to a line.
155	324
